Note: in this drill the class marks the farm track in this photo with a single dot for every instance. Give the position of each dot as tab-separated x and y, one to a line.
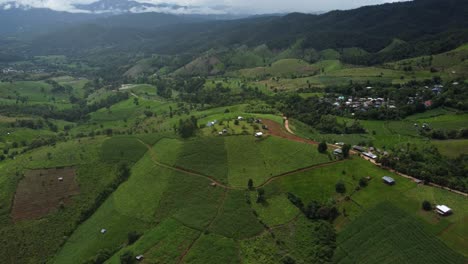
289	173
270	229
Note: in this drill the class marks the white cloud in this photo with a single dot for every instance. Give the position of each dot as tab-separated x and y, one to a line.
218	6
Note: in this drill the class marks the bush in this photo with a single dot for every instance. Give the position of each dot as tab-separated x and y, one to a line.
426	206
127	258
260	195
250	184
133	237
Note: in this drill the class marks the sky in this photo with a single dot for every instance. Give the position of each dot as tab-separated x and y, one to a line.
232	6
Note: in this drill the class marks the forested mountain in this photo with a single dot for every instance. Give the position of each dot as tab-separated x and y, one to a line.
427	26
15	21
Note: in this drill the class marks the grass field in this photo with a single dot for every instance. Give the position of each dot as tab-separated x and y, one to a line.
451	148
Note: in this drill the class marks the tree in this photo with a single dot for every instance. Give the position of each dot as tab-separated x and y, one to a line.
250	184
133	236
346	148
363	182
426	206
188	127
288	260
260	195
322	147
127	258
340	187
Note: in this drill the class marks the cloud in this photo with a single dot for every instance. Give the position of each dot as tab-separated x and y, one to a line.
274	6
216	6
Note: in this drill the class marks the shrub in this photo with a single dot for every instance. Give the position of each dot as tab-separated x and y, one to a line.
426	206
363	182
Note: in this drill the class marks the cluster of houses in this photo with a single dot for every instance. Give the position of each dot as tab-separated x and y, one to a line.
363	104
370	152
257	134
11	71
442	210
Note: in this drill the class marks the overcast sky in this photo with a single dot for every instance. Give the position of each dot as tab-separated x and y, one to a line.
246	6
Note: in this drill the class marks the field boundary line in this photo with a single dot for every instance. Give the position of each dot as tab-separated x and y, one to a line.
220	206
293	172
186	171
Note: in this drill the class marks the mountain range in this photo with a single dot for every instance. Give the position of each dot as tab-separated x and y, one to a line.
424	26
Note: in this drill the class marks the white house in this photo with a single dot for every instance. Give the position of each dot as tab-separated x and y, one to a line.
369	155
259	134
443	210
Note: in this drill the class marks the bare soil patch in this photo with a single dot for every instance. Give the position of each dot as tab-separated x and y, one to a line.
276	129
43	191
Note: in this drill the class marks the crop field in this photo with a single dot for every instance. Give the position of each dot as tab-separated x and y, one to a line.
43	191
386	234
445	122
126	148
236	159
235	218
164	243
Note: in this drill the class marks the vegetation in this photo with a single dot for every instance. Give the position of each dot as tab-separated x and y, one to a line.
167	157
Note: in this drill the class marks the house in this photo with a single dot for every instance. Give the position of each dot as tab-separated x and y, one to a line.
388	180
338	152
139	257
103	231
212	123
60	178
259	134
443	210
369	155
240	118
359	148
